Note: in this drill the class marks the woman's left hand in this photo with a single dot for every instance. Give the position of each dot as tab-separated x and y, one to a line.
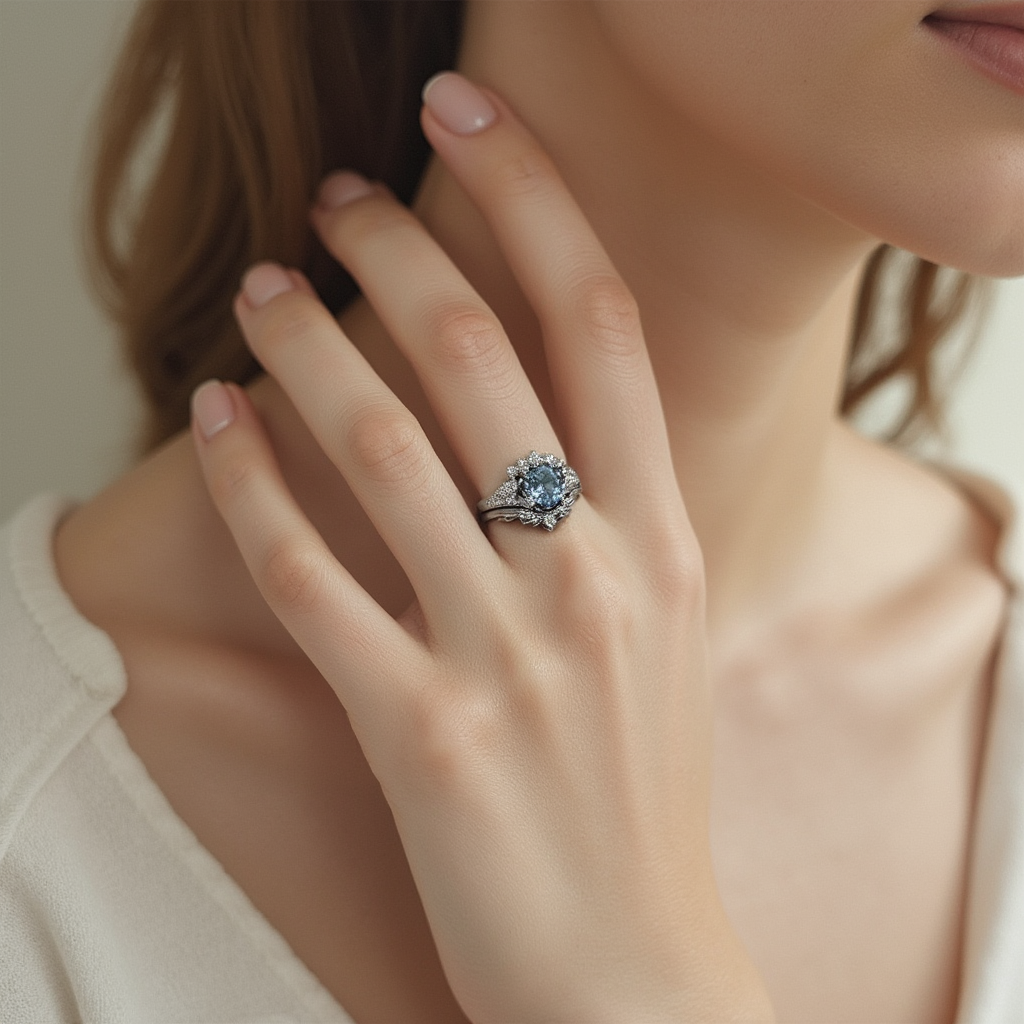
539	720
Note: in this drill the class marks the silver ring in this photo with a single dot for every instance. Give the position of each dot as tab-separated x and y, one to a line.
540	491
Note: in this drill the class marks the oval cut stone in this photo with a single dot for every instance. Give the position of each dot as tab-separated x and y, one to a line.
544	486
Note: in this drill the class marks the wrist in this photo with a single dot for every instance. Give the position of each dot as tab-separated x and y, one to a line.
715	982
731	991
720	985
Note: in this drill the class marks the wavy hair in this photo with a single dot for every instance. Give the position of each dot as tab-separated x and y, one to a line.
253	103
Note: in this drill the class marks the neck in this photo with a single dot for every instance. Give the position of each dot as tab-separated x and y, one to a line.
746	292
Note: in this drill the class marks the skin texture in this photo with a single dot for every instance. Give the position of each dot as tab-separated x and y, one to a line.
738	162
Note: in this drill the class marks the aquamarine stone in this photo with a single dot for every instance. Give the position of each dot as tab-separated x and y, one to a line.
543	486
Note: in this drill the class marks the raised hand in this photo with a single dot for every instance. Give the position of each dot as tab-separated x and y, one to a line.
540	719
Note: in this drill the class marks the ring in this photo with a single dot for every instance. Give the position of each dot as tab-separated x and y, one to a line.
540	491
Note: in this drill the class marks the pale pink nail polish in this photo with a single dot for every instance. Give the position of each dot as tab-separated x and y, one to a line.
342	187
212	407
458	104
265	281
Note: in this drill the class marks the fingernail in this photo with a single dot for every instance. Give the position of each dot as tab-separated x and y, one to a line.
458	104
340	188
212	407
263	281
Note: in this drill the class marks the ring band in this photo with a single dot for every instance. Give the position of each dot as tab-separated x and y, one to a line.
540	491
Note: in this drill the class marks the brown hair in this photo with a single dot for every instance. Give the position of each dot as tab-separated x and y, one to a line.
258	101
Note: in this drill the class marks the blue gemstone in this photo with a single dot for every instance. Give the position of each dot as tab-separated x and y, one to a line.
543	486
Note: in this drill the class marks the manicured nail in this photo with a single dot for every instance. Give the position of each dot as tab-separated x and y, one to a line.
263	281
458	104
212	407
340	188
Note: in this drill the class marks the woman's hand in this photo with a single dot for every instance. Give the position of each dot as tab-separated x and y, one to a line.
539	720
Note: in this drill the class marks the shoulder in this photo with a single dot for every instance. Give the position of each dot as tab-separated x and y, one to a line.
928	520
921	563
58	676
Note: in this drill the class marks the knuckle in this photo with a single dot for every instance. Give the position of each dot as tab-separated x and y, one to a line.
597	597
471	345
293	574
387	445
360	222
603	305
677	572
446	734
528	173
605	609
285	326
234	479
460	335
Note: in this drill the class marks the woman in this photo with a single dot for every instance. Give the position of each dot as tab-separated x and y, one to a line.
321	742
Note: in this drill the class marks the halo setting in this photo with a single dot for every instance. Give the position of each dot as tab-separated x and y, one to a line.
540	491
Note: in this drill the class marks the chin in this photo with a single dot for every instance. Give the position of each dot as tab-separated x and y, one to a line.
984	241
989	264
967	218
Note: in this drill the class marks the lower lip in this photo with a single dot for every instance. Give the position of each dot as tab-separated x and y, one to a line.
997	50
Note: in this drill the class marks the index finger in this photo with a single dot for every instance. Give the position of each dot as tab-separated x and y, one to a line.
614	428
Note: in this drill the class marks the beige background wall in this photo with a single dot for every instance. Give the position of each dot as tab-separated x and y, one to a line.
66	408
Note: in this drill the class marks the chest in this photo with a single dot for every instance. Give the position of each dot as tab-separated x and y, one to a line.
839	842
841	822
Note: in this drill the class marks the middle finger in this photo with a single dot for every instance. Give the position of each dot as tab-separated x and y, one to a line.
466	364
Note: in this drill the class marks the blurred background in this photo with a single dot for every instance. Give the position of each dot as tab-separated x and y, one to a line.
68	410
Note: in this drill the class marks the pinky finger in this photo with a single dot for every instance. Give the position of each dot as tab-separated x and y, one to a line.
354	643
